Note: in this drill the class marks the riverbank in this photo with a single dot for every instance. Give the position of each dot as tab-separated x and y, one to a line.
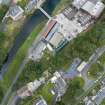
21	54
18	59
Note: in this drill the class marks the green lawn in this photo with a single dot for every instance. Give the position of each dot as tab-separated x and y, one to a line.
45	92
103	102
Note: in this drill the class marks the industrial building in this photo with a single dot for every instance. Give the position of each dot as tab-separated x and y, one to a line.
53	36
71	22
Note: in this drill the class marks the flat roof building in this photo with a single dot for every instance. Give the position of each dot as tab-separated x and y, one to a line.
81	66
56	39
48	28
78	3
53	36
93	9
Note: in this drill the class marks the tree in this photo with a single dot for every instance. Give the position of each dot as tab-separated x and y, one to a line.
74	90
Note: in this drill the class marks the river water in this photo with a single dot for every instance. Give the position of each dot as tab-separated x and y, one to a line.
27	28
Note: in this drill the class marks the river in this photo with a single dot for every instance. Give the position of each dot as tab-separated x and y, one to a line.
27	28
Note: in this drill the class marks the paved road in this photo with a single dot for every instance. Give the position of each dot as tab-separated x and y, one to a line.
93	59
79	99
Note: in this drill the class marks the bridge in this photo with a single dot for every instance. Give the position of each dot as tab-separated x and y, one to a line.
44	12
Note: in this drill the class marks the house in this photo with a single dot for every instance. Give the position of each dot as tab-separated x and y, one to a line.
15	12
97	99
60	84
30	88
40	101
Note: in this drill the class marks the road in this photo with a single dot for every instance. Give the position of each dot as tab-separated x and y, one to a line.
92	60
80	99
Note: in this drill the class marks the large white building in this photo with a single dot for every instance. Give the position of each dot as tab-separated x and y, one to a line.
93	7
